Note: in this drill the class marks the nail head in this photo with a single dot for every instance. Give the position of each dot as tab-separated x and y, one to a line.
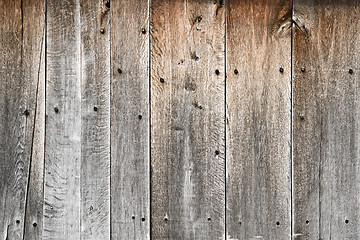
162	80
217	72
236	71
281	70
351	71
102	30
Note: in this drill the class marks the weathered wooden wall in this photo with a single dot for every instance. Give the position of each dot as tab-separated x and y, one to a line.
179	119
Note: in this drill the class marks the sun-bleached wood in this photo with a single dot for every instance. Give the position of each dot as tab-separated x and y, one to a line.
326	119
258	107
130	114
187	119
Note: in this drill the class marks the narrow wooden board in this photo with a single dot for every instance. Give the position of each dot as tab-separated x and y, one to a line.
326	119
130	175
95	119
187	119
62	208
21	118
258	133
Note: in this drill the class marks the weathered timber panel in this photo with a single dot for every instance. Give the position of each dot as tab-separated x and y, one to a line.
62	209
258	133
187	119
95	119
130	115
22	68
326	119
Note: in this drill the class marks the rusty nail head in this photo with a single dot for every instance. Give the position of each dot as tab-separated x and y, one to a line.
102	30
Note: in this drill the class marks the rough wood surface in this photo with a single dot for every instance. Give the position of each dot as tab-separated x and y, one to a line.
130	174
95	123
187	119
62	208
258	139
21	118
326	119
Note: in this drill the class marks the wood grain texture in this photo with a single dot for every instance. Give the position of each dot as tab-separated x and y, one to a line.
326	119
95	115
130	175
62	208
187	119
258	96
21	117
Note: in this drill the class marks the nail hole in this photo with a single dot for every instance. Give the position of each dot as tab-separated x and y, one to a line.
346	221
56	109
351	71
26	112
281	70
140	116
143	30
217	72
17	221
301	116
278	223
133	217
102	31
307	221
240	223
162	80
107	4
95	109
35	224
209	219
236	71
119	71
302	69
166	219
143	219
217	152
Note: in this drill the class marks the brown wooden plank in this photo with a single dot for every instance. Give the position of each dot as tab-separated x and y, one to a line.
326	125
187	119
62	209
95	119
21	117
258	95
130	175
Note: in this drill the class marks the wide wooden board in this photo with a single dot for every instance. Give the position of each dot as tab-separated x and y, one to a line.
326	119
187	119
258	106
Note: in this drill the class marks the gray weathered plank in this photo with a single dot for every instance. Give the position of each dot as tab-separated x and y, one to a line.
62	209
326	119
130	175
34	59
95	123
187	119
21	117
258	135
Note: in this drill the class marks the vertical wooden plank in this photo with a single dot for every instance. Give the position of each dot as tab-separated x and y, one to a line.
258	95
326	119
187	119
130	175
21	117
95	115
62	208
